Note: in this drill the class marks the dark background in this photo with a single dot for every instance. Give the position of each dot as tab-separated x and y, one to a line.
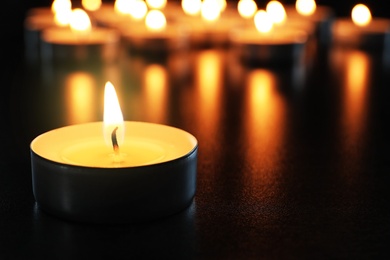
306	179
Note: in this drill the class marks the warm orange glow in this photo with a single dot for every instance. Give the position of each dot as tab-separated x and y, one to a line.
62	18
191	7
79	21
276	11
210	10
305	7
357	66
208	76
61	5
263	22
112	116
62	10
155	87
222	5
123	6
361	15
264	118
91	5
80	92
155	20
247	8
156	4
138	9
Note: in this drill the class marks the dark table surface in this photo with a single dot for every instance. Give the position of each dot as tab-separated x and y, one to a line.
293	161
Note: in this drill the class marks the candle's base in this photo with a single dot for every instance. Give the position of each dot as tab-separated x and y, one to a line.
125	195
115	194
138	39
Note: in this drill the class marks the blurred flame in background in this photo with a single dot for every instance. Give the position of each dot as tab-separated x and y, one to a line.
306	7
361	15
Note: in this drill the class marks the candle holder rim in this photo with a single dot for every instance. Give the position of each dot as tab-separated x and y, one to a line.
158	164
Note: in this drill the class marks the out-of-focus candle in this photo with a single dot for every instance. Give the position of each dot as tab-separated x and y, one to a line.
156	4
277	12
79	42
361	29
91	5
266	43
207	24
38	19
247	8
120	11
114	171
321	17
155	34
191	7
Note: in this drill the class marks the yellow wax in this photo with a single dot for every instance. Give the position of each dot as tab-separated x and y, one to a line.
84	145
138	152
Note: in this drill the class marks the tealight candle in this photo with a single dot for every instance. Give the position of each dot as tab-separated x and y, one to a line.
361	30
40	18
114	171
321	17
81	42
209	22
267	44
155	34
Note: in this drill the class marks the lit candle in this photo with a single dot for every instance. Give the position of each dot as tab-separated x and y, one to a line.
209	23
268	43
38	19
91	5
79	42
321	17
155	34
120	11
246	8
114	171
361	29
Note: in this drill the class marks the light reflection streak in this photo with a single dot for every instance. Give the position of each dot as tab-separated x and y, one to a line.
265	121
155	89
356	79
80	88
208	78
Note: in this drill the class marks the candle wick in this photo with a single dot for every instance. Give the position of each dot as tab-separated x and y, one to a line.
115	141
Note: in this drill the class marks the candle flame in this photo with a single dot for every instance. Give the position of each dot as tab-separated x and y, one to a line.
191	7
79	21
210	10
123	6
305	7
62	10
263	21
361	15
112	116
155	20
138	9
247	8
91	5
60	5
156	4
276	11
62	18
